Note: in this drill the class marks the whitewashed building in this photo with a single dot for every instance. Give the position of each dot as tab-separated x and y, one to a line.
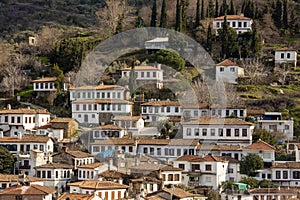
154	111
228	72
238	22
146	75
108	131
157	43
22	120
132	124
46	84
218	130
103	189
286	174
286	55
91	171
273	122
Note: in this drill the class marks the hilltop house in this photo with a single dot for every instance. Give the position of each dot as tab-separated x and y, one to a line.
46	84
228	72
157	44
91	171
146	75
286	55
238	22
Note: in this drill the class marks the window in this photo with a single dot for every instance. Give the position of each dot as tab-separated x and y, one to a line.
171	152
245	24
43	174
285	174
244	132
241	113
233	24
18	119
178	152
273	126
228	132
83	95
286	127
156	110
166	152
195	167
188	131
278	175
196	113
154	74
232	69
212	132
84	107
145	150
176	109
168	109
204	132
12	119
296	175
181	166
282	55
77	107
151	151
218	24
148	74
196	131
208	167
230	171
288	55
236	132
38	174
158	151
221	69
95	106
48	174
90	107
227	112
142	74
56	174
240	24
220	132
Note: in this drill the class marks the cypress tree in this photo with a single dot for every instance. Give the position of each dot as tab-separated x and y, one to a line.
178	25
198	13
184	4
277	15
209	39
225	38
211	9
154	15
132	79
163	16
231	10
202	10
216	8
139	22
256	42
224	8
119	27
285	22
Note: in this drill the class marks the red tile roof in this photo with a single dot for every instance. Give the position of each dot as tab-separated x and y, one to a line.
287	165
142	68
25	139
15	178
206	158
260	145
62	120
28	190
24	111
108	127
68	196
99	87
178	192
161	103
99	185
90	166
46	79
111	174
207	120
79	154
54	166
227	62
126	118
232	17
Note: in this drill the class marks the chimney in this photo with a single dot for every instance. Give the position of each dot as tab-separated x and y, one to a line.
110	164
242	14
8	106
20	135
158	66
1	134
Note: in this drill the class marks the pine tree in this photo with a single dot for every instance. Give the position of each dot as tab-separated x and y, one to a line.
139	22
163	16
202	10
185	4
256	42
178	25
285	22
198	13
211	9
216	8
209	39
154	15
277	15
231	10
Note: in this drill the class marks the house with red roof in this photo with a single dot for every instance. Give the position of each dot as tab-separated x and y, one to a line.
228	72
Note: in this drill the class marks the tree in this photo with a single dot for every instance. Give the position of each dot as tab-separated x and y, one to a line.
227	185
224	37
139	22
154	14
250	163
252	182
255	71
7	161
231	10
202	10
168	57
185	5
47	38
163	16
217	8
248	8
285	23
209	39
132	80
224	8
256	42
166	129
57	72
277	15
178	25
266	136
198	14
119	28
211	9
213	195
266	184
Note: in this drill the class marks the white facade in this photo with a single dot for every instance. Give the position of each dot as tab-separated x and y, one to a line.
157	43
154	110
219	130
286	55
171	177
286	174
146	75
228	72
108	131
91	171
132	124
44	84
238	22
262	149
22	120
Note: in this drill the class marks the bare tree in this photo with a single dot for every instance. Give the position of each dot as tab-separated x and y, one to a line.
111	14
47	38
255	71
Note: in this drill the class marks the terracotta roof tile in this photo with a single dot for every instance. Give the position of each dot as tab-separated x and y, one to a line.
112	174
141	68
62	120
46	126
100	185
90	166
24	111
46	79
260	145
54	166
178	192
108	127
170	168
127	118
273	191
287	165
79	154
206	158
161	103
68	196
96	101
15	178
232	17
28	190
25	139
99	87
227	62
207	120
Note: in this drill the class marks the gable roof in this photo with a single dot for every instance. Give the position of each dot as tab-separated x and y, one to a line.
25	139
141	68
287	165
79	154
227	62
15	178
46	79
62	120
98	87
100	185
24	111
90	166
260	145
54	166
161	103
208	120
178	192
108	127
28	190
72	196
127	118
206	158
232	17
112	174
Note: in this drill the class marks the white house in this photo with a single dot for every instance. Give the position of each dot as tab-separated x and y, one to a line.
154	111
108	131
103	189
273	122
175	193
132	124
56	175
8	180
238	22
157	43
286	174
286	55
218	130
91	171
22	120
202	170
146	75
46	84
97	104
228	72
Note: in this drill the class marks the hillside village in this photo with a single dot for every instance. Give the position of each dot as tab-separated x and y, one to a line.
152	127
